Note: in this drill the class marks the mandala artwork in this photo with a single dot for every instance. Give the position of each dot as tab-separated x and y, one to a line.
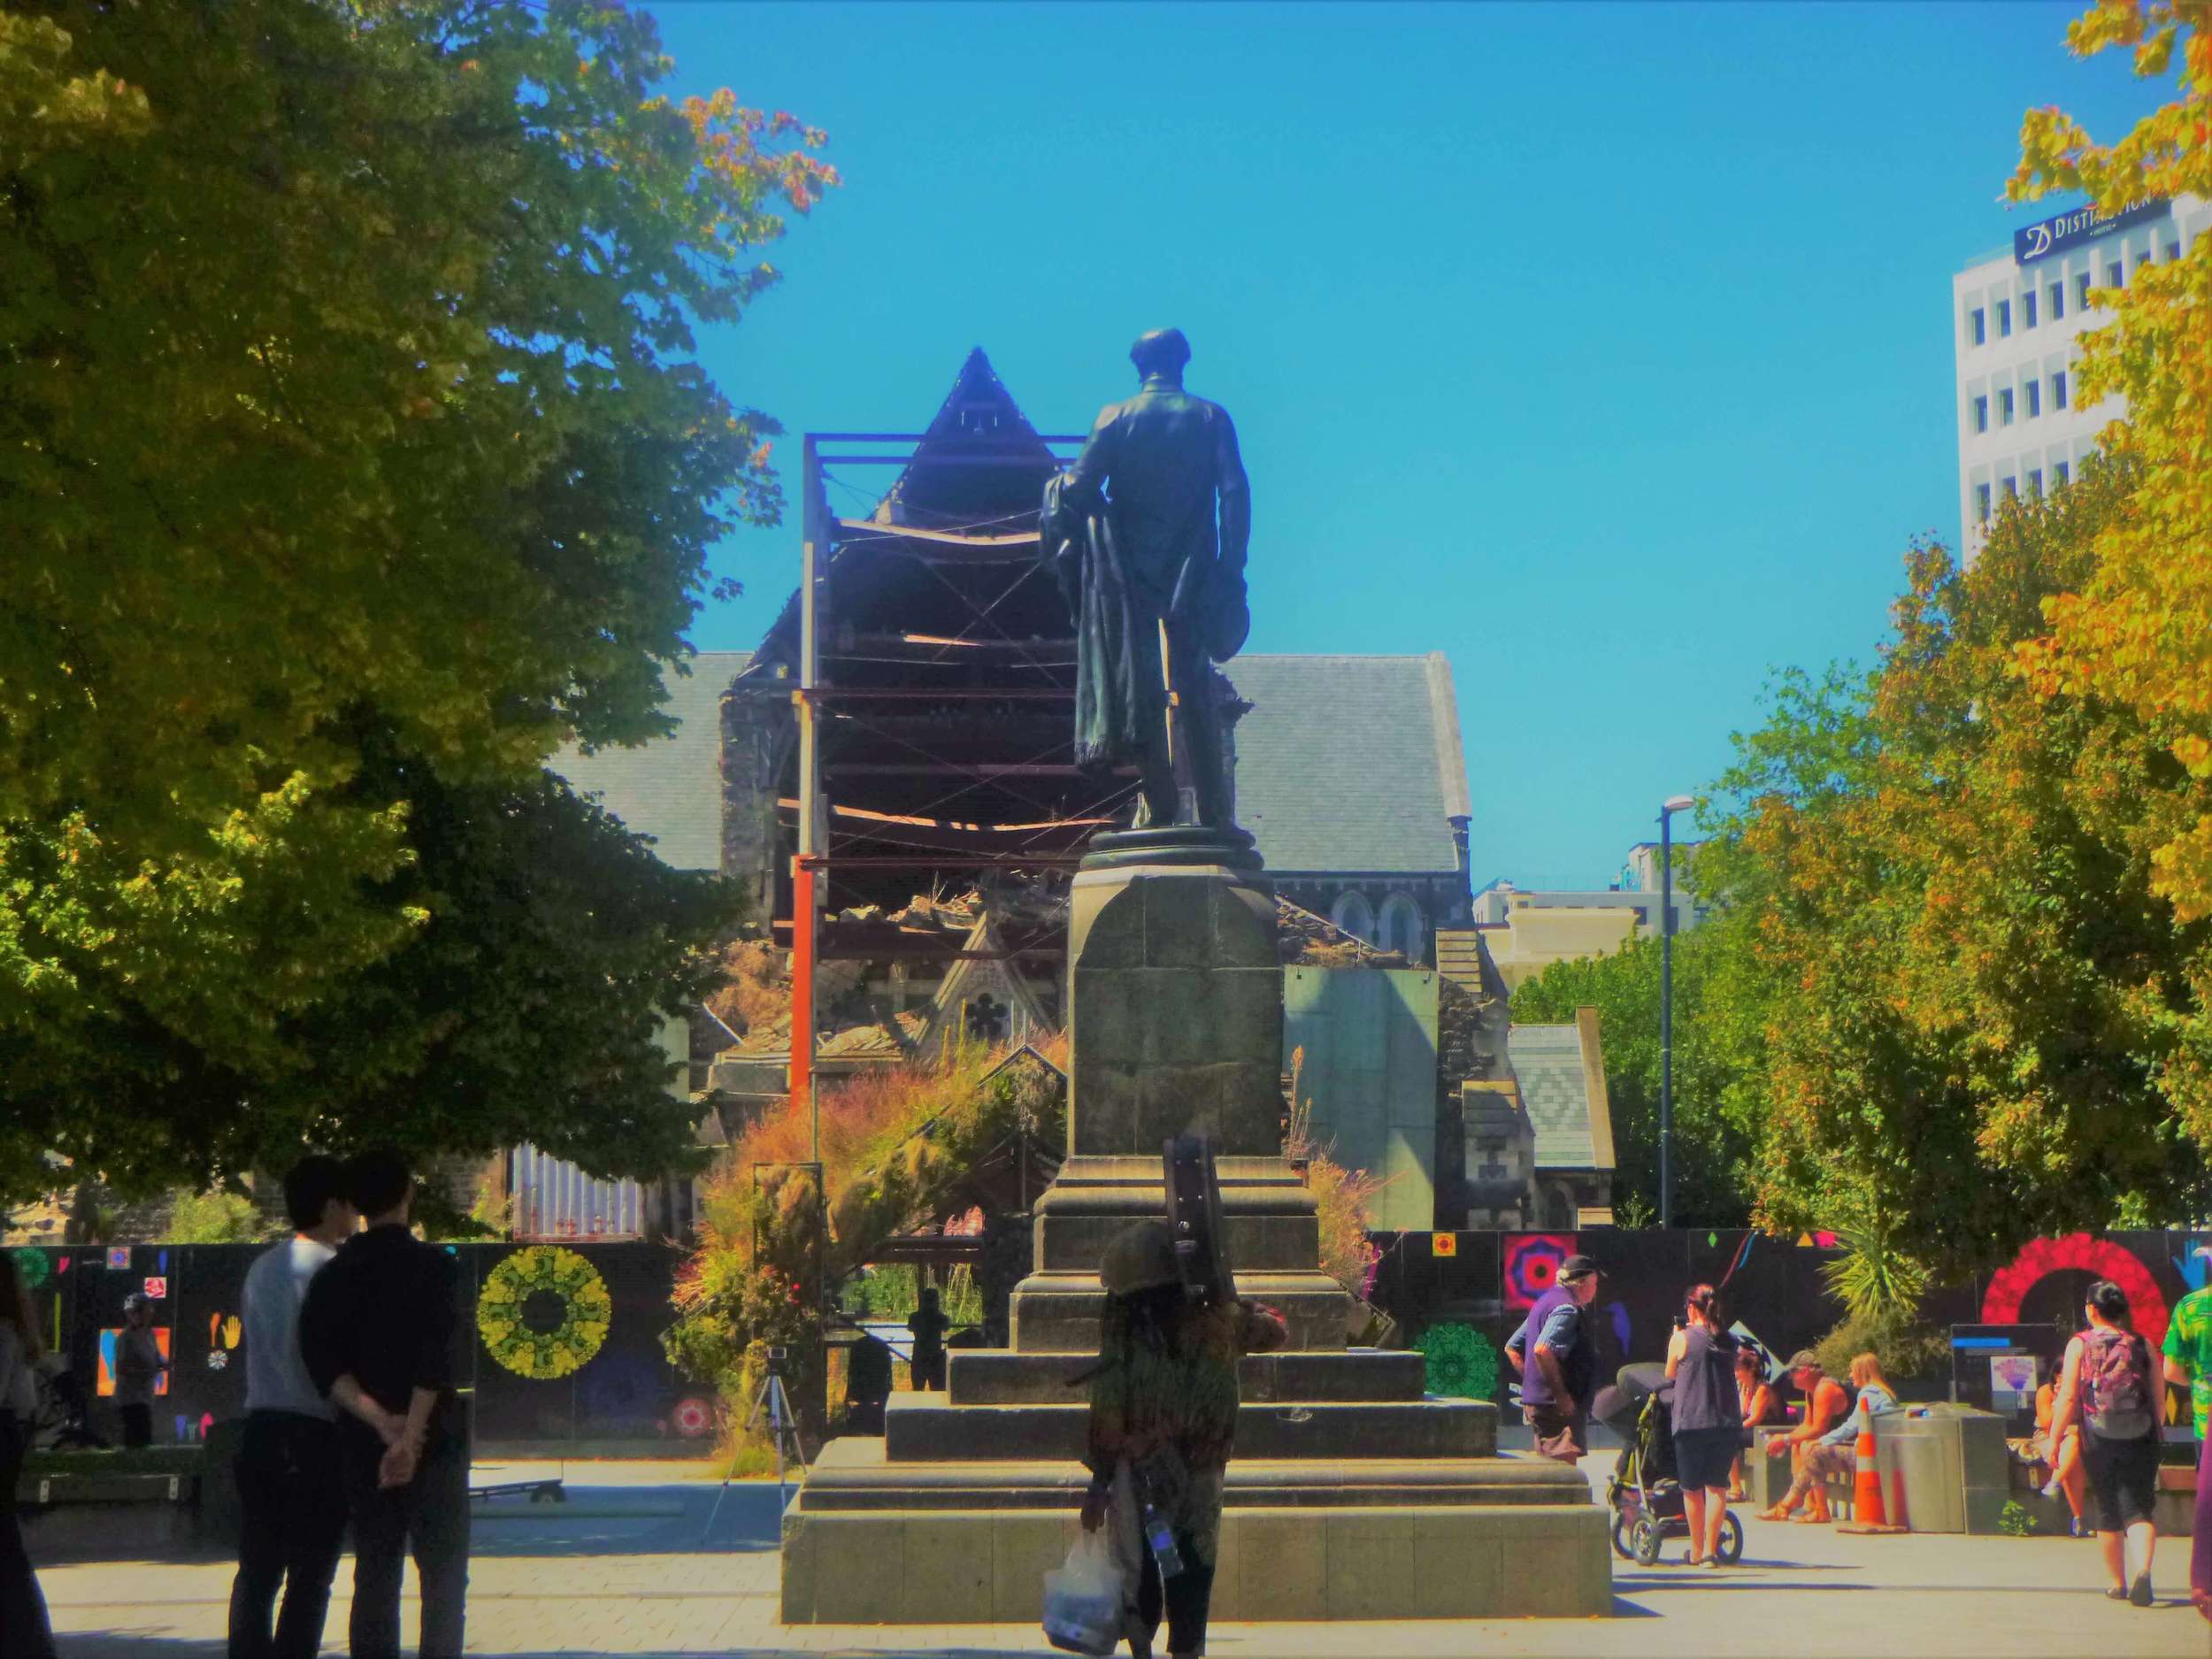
1531	1261
1461	1365
31	1262
543	1313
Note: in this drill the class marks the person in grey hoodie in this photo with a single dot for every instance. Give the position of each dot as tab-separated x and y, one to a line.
291	1492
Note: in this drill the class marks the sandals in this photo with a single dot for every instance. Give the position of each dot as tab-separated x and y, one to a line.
1774	1512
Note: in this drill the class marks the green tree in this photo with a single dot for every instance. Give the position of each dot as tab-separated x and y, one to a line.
1712	1125
352	458
1984	1013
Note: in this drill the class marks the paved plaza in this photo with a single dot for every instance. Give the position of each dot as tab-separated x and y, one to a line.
625	1567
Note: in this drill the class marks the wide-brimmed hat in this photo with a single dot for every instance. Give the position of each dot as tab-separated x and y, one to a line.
1140	1256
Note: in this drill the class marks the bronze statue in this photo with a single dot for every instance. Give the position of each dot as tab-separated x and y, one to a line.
1147	534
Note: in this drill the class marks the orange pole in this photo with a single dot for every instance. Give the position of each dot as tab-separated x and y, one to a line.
801	979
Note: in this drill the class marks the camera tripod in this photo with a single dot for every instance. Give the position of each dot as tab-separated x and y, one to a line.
770	1402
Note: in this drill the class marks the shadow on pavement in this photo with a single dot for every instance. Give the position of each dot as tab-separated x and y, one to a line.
670	1520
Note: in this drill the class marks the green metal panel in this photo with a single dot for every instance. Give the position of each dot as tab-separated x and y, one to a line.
1369	1067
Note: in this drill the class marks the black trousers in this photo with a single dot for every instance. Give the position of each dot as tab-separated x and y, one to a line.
428	1518
24	1630
1185	1598
292	1498
138	1424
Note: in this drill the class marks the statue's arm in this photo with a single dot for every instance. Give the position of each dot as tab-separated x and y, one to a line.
1235	491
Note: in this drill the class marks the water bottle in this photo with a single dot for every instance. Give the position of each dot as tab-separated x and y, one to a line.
1161	1538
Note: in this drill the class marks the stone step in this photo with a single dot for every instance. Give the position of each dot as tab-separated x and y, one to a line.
1058	1313
855	1472
925	1428
997	1377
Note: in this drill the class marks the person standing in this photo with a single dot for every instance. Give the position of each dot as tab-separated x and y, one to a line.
927	1325
139	1363
377	1334
1163	1419
2189	1362
1557	1362
1707	1419
25	1632
291	1495
2108	1386
1810	1455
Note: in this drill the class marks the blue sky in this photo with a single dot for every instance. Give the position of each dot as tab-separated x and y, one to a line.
1605	348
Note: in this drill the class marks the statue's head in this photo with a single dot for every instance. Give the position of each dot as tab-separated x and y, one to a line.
1164	351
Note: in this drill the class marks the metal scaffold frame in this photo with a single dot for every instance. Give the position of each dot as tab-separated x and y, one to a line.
813	698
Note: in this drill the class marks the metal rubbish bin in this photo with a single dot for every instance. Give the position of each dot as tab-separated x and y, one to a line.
1950	1460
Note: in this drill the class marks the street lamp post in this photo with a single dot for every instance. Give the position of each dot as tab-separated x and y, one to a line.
1667	810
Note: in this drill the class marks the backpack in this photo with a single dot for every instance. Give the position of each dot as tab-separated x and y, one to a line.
2116	1382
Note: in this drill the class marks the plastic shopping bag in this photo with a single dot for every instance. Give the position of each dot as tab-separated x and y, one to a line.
1083	1599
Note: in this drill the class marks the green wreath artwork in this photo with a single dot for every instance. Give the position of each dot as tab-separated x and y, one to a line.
31	1262
1461	1365
543	1313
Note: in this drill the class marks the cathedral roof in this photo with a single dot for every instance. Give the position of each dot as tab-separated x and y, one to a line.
1350	764
671	789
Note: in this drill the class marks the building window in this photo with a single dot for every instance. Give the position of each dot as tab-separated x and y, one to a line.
1981	414
1979	324
2113	278
2027	309
1401	927
2081	291
2058	390
2004	406
2173	252
2004	318
1352	915
2012	489
2058	301
1981	504
2035	398
2035	483
2058	473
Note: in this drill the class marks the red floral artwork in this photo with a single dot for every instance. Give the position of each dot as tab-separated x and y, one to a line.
2077	1252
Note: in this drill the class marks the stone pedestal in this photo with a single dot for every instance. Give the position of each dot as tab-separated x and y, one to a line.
1352	1494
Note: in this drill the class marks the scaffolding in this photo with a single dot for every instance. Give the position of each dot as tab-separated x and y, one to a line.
907	780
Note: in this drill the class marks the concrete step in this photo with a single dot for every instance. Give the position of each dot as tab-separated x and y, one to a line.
867	1541
855	1472
997	1377
926	1428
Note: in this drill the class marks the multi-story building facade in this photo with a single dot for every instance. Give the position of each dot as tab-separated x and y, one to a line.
2016	316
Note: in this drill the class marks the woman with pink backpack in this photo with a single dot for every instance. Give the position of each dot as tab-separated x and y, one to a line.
2110	1385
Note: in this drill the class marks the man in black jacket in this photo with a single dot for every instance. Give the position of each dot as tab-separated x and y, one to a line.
377	1332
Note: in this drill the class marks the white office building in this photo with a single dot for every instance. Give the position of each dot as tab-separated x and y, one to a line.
2016	314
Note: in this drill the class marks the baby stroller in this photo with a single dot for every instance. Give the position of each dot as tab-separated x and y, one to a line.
1643	1493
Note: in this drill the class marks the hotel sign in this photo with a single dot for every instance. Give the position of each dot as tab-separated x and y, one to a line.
2056	235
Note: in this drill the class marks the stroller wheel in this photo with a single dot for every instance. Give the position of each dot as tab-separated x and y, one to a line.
1731	1549
1620	1537
1644	1541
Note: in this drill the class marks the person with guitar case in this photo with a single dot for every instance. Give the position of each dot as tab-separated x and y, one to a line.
1163	1402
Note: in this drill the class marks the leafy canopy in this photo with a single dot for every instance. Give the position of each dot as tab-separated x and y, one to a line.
351	459
2136	626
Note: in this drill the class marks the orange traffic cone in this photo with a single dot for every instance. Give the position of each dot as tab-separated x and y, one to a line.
1867	1515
